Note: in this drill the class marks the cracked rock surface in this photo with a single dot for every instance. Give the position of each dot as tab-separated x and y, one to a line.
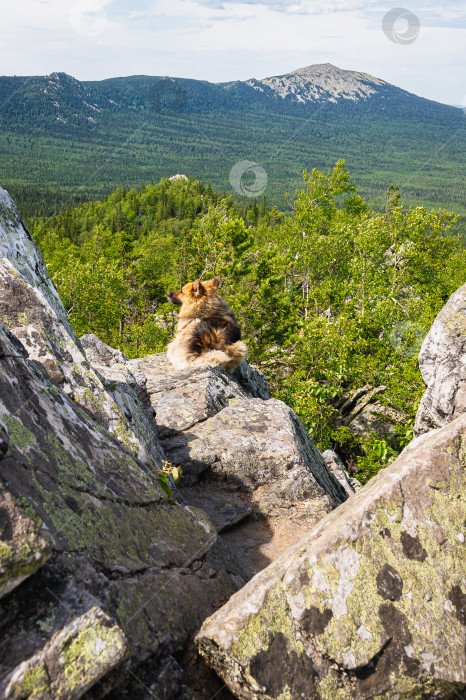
72	660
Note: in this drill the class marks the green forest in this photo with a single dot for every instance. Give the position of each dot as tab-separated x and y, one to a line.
65	142
331	297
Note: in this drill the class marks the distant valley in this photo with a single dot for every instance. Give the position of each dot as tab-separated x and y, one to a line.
79	140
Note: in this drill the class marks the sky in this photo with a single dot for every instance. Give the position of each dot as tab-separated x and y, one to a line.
419	47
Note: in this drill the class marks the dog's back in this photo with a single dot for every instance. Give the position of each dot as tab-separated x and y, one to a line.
207	331
214	333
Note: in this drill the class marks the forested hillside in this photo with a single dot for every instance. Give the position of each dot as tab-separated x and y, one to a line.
81	140
332	298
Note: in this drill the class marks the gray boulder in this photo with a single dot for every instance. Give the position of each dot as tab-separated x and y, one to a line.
442	361
25	260
337	467
116	544
31	309
371	603
252	380
254	443
183	398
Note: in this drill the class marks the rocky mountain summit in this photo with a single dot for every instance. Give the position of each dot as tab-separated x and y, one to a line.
320	82
313	590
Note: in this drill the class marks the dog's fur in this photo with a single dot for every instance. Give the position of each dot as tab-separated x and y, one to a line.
207	332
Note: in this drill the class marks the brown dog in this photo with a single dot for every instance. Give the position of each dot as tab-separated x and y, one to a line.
207	332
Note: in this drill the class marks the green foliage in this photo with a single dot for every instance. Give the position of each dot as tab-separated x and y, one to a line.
114	260
330	298
377	455
167	476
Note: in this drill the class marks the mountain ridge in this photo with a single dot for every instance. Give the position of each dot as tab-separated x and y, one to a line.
95	136
323	83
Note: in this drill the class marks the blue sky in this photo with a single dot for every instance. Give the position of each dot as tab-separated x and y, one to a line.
220	40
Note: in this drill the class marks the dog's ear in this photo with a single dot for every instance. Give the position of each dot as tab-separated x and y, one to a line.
216	282
198	288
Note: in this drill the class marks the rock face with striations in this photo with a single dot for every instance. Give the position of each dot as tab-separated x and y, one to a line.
442	361
32	310
104	580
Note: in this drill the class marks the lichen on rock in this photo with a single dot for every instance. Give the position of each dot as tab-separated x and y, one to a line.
22	549
71	662
369	593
